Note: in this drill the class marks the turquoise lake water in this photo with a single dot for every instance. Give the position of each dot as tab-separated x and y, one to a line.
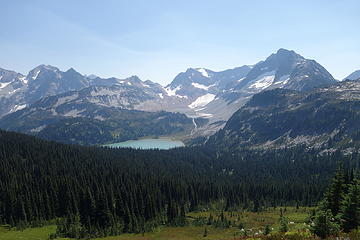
159	143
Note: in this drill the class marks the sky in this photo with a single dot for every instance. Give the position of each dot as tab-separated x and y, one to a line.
156	39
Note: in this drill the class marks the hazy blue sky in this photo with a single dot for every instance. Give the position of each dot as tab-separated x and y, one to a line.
158	39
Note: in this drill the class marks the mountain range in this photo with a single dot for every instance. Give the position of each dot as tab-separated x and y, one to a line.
200	100
18	91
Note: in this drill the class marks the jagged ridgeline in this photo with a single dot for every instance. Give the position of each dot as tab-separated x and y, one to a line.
53	104
110	191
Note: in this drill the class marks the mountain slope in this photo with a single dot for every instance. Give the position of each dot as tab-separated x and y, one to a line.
325	118
10	81
353	76
283	69
11	91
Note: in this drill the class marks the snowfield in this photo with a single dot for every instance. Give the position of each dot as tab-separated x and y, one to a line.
172	92
203	72
18	107
3	85
201	86
202	101
264	81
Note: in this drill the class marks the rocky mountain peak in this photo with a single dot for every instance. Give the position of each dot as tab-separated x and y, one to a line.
286	69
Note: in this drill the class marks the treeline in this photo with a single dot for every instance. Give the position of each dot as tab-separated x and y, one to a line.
101	191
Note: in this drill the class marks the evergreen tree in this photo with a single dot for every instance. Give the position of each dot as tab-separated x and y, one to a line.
350	212
324	224
100	191
283	224
335	195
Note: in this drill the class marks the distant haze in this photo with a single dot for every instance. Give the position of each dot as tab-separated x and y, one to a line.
158	39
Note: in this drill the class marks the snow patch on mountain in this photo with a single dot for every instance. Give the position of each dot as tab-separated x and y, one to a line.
201	86
283	80
24	79
18	107
202	101
205	115
38	129
172	92
36	75
15	90
203	72
264	80
4	85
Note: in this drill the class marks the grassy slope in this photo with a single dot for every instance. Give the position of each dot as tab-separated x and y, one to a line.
253	221
28	234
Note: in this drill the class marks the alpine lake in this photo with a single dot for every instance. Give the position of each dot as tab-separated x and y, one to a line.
148	143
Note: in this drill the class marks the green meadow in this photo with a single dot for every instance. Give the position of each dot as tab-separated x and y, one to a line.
251	222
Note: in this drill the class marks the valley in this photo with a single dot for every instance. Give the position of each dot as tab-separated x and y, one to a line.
179	120
124	193
264	151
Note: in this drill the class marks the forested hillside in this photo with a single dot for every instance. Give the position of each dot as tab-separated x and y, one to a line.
102	191
99	125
